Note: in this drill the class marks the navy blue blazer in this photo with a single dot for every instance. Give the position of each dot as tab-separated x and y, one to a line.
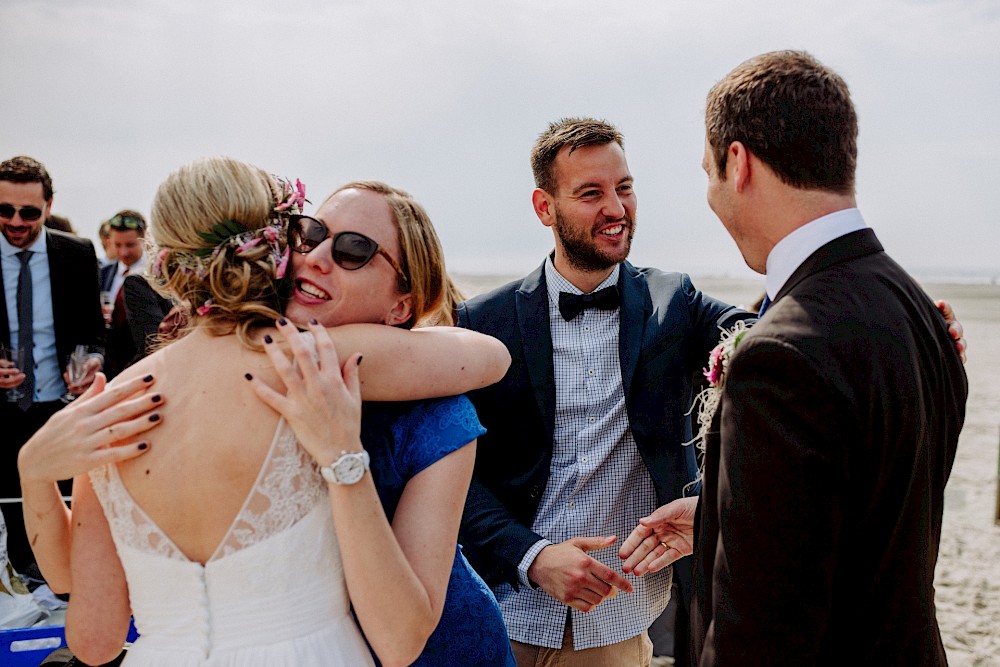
667	330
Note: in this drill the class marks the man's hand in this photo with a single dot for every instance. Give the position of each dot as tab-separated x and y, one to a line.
568	574
954	327
10	376
93	365
660	538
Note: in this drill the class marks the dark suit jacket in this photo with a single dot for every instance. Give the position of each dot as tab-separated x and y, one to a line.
76	302
121	350
820	515
145	309
667	330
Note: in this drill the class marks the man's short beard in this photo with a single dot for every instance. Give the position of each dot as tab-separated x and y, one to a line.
580	250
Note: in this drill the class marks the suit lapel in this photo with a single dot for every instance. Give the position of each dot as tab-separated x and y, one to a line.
532	303
856	244
60	307
635	310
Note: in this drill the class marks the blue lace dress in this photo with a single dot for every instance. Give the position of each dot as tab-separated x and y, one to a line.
403	439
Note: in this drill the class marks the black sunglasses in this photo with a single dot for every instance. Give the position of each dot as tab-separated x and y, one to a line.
350	250
28	213
123	222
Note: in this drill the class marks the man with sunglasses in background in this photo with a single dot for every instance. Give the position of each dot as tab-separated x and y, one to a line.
51	304
128	232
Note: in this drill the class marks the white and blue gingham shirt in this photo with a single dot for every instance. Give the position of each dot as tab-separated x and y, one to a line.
598	484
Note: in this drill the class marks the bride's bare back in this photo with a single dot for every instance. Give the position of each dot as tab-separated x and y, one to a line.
207	454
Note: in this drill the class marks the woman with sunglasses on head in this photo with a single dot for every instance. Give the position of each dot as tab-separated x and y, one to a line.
220	538
371	254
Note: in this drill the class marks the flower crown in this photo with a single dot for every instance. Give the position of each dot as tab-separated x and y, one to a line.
232	234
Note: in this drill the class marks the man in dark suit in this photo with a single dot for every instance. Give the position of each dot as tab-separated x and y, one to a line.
586	431
50	281
841	409
128	233
145	309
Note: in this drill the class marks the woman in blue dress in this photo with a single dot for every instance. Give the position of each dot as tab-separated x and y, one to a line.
422	452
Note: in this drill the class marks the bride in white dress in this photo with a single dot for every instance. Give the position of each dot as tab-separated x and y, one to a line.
220	539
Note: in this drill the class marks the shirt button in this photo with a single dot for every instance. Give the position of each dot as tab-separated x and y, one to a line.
592	419
590	372
584	459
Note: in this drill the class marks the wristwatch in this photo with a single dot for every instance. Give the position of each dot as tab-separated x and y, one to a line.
348	469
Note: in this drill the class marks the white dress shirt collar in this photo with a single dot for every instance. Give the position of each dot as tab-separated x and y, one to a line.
791	251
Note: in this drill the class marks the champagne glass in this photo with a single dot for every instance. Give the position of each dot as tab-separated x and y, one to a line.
107	306
13	358
76	369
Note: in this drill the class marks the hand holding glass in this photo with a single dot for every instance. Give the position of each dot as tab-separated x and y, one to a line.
13	359
107	306
76	370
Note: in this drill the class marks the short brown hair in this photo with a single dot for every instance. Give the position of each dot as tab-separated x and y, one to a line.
793	113
23	169
572	132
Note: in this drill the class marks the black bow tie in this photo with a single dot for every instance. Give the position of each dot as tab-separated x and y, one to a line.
571	305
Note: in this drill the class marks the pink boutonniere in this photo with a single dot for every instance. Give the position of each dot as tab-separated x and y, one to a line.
706	403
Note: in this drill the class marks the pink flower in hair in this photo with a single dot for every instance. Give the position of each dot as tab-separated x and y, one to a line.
281	265
243	247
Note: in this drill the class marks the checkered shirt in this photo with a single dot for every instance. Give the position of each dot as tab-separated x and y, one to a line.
598	484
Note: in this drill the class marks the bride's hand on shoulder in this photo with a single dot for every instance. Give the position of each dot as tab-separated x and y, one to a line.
322	405
101	426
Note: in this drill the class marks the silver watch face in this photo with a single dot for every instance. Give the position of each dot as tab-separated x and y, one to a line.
349	469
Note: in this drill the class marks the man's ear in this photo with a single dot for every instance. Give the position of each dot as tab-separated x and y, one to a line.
738	166
545	206
401	311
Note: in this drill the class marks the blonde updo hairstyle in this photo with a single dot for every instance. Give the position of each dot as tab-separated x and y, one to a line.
229	291
433	295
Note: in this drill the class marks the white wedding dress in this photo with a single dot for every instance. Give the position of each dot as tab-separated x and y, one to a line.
272	594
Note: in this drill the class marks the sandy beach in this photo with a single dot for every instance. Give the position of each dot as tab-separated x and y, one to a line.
968	570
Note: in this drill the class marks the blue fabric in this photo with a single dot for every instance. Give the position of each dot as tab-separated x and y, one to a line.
402	440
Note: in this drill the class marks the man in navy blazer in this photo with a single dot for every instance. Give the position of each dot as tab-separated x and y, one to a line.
586	432
66	313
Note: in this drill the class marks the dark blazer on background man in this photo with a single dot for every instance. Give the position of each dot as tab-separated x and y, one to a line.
76	301
820	514
76	311
145	309
667	330
121	350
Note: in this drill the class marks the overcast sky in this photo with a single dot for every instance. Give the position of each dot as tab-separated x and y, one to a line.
444	99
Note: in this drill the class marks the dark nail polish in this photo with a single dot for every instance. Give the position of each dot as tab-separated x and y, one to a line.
359	360
248	376
154	418
282	321
143	445
157	398
148	378
313	322
268	339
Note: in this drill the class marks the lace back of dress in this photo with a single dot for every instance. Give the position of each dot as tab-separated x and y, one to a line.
287	488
